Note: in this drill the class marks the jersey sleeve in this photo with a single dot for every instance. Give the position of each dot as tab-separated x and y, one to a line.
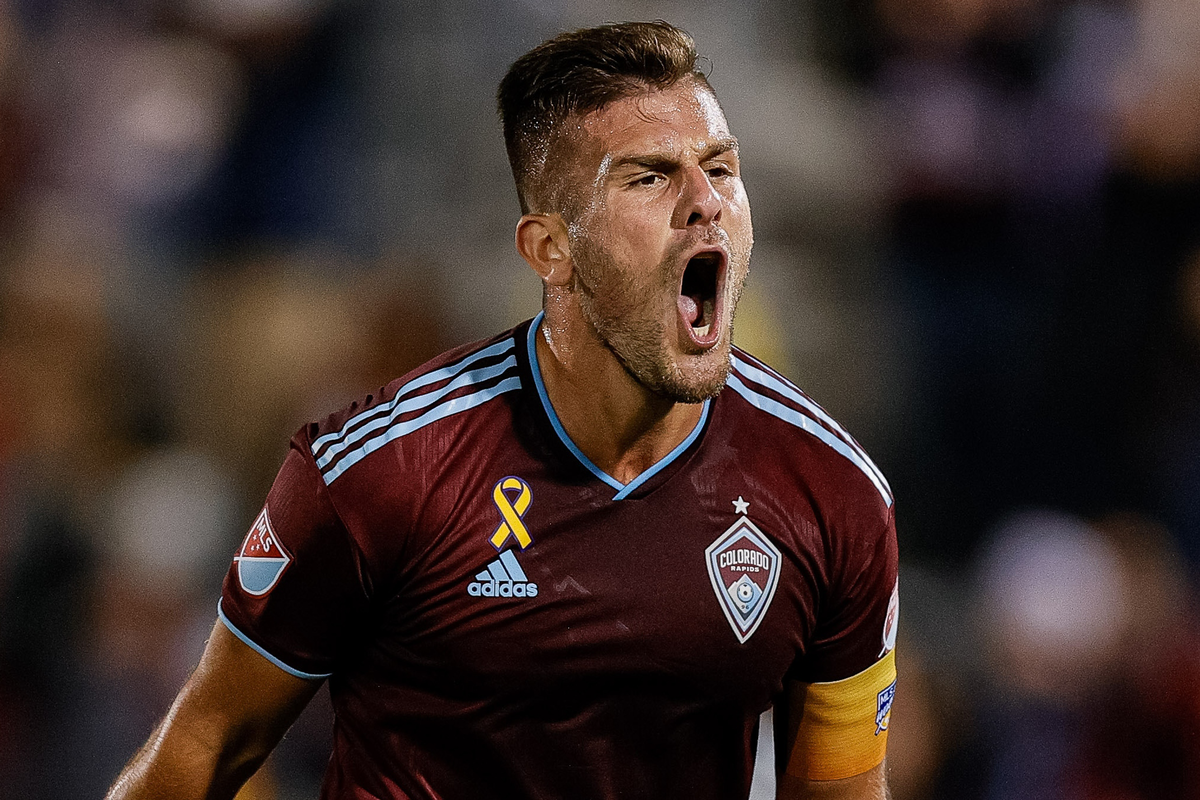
849	678
295	591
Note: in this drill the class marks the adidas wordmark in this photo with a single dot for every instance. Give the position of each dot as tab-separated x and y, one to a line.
502	578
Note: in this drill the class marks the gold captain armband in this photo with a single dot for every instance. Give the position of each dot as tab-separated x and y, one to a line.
843	727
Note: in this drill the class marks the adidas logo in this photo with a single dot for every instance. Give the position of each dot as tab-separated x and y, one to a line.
502	578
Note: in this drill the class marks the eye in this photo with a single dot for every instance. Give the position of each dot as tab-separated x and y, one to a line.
719	170
649	179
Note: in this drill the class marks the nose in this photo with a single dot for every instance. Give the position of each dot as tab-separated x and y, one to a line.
699	203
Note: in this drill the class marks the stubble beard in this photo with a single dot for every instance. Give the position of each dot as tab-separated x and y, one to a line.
613	306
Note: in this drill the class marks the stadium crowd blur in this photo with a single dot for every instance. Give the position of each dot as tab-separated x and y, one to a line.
978	245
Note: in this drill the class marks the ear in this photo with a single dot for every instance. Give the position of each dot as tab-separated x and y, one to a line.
542	241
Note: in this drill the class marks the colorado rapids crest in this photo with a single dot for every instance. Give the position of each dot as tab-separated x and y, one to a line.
743	566
262	559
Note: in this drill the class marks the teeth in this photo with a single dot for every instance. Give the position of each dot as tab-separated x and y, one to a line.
707	313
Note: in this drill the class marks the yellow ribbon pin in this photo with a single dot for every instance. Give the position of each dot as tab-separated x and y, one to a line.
511	512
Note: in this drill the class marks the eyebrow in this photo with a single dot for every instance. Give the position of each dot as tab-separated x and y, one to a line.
662	160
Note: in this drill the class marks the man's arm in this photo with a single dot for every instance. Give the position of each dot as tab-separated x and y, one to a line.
226	720
795	781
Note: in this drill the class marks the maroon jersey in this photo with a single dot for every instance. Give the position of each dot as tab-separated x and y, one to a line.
498	618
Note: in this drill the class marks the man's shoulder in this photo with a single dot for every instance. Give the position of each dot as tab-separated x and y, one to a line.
456	381
764	397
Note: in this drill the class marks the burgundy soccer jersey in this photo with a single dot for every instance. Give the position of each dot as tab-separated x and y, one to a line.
498	618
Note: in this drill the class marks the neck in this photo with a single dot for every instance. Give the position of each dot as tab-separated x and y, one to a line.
621	426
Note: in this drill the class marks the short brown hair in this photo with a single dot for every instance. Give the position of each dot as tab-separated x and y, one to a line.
579	72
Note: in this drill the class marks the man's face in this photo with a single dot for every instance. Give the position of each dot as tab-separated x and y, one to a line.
661	236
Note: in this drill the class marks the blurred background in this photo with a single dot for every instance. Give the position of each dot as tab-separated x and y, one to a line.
978	245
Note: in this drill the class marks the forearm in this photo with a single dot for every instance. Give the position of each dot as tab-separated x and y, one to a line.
181	761
222	726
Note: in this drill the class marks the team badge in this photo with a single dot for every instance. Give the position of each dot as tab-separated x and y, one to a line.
262	559
743	565
883	708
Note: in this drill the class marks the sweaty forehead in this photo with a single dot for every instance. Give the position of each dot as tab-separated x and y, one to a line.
684	116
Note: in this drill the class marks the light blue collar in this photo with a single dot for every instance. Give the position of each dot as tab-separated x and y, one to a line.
623	489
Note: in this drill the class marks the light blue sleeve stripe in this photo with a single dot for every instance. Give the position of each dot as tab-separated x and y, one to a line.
446	409
767	379
258	649
417	383
779	410
414	403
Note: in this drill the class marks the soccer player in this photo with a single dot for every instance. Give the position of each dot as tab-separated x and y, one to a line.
602	555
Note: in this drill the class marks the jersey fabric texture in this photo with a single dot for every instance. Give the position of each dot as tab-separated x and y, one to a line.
498	618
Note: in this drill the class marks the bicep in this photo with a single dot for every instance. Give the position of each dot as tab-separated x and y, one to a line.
225	721
835	735
239	694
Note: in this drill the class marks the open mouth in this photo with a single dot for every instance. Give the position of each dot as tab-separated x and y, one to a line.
698	293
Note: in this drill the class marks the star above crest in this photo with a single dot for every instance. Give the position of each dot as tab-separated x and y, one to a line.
740	506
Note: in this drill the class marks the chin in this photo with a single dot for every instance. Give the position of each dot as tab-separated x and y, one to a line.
694	379
650	355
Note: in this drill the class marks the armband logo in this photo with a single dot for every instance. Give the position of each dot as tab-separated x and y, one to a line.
262	559
883	708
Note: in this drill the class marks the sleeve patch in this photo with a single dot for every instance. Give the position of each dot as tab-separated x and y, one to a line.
262	558
844	724
892	622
